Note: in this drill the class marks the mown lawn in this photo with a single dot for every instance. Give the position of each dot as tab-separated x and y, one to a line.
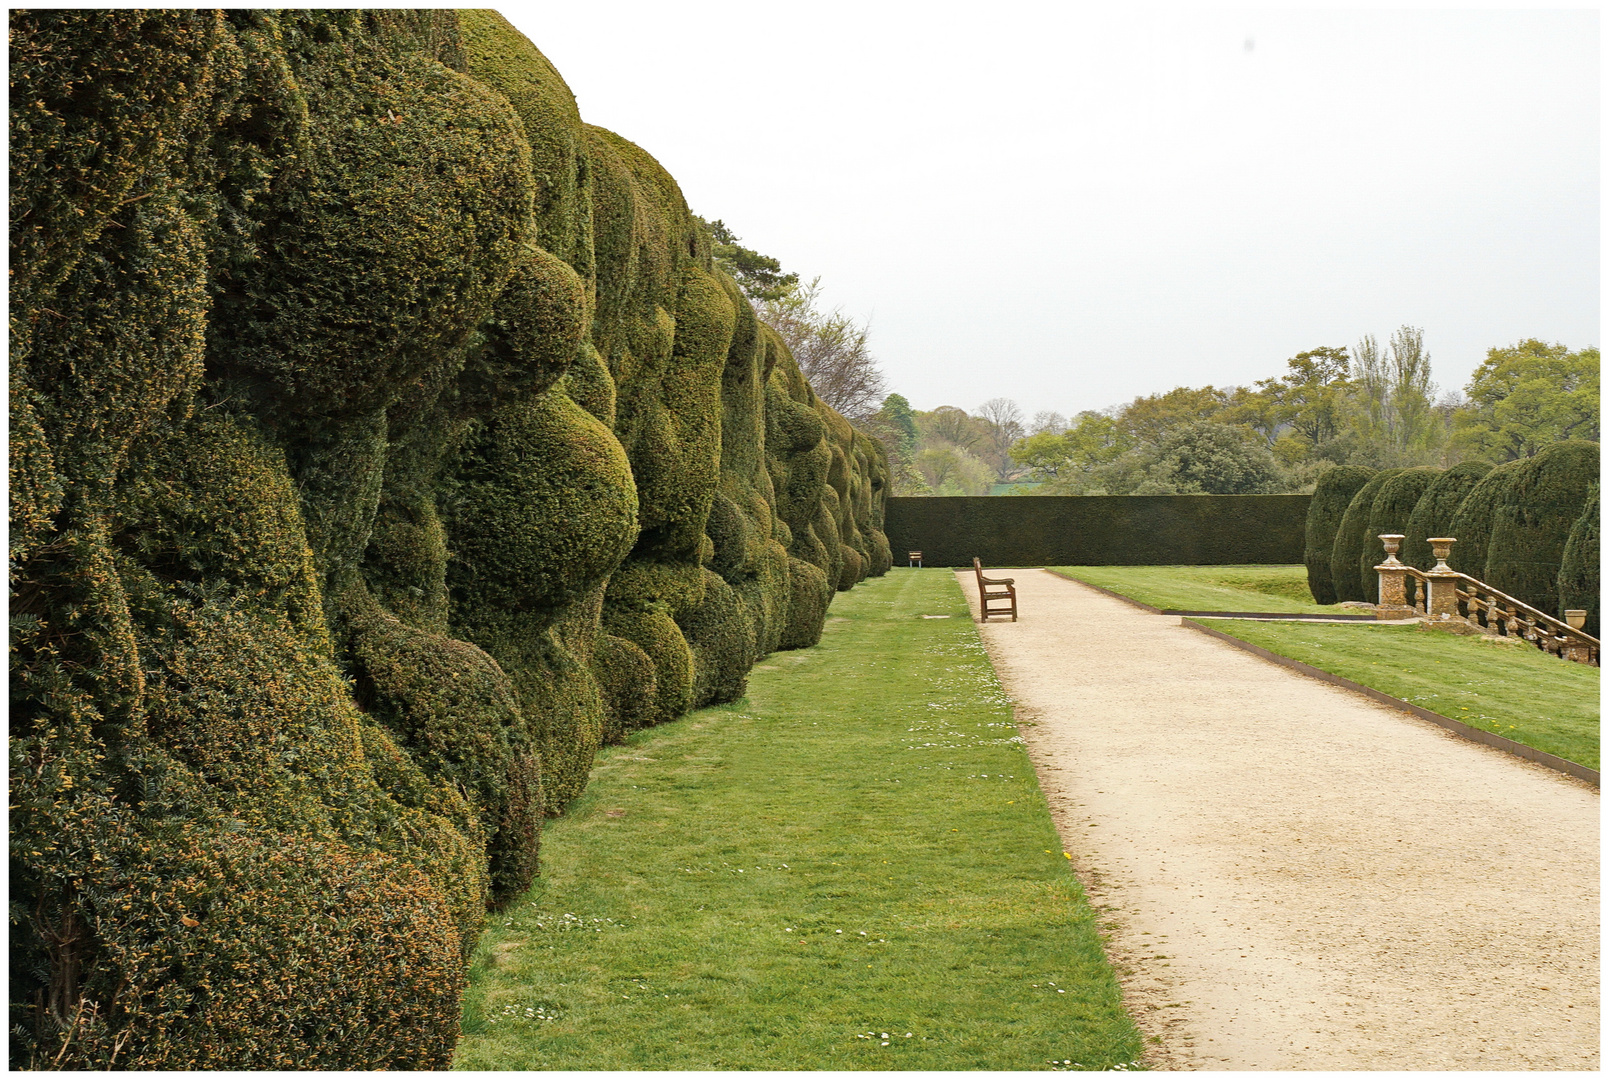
1208	588
853	868
1511	690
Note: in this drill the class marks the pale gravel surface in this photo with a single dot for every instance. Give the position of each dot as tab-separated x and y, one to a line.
1295	877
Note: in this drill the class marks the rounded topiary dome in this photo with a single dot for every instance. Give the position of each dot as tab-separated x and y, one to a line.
1472	522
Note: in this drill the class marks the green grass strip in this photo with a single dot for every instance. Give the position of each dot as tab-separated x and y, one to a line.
1209	588
1515	691
853	868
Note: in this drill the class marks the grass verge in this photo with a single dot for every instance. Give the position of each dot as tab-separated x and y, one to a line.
1511	690
853	868
1209	588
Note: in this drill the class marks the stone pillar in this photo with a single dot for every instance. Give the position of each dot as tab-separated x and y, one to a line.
1393	582
1442	603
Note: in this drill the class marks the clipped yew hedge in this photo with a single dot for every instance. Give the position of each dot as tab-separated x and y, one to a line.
383	440
1093	530
1331	496
1532	520
1436	509
1528	528
1393	505
1472	523
1350	539
1578	573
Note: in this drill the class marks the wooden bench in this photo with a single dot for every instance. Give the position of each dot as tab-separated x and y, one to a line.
1008	595
915	559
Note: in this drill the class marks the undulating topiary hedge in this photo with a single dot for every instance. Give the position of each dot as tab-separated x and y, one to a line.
1434	513
1091	530
383	440
1533	518
1393	505
1350	536
1331	496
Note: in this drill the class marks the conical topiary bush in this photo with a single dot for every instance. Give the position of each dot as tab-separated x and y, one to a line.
1331	496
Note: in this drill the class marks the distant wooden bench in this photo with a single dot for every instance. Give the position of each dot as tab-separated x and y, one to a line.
1007	595
915	559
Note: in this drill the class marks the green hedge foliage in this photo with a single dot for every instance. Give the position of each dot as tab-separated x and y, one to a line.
1393	505
1350	536
1532	520
1331	496
1578	573
1472	522
383	441
1433	514
1090	530
1528	528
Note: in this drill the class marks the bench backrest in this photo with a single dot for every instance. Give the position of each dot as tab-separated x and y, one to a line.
977	568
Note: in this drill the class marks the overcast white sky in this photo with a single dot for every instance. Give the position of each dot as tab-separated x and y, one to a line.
1072	205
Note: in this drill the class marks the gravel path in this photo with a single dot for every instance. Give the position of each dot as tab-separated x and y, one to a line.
1295	877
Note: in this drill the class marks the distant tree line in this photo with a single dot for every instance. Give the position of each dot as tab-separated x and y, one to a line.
1372	405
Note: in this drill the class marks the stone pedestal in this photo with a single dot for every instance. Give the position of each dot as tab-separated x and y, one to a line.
1441	605
1579	651
1393	582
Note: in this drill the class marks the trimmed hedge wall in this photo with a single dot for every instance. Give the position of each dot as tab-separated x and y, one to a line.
1095	530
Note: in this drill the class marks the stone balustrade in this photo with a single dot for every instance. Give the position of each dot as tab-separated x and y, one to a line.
1449	600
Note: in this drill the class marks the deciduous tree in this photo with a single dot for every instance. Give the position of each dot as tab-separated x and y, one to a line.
830	348
1526	396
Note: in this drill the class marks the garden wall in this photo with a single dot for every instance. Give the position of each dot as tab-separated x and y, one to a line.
1097	530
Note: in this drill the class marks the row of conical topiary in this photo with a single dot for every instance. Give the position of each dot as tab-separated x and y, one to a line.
1528	528
384	440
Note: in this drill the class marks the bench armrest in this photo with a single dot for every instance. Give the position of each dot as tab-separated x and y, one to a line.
998	580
